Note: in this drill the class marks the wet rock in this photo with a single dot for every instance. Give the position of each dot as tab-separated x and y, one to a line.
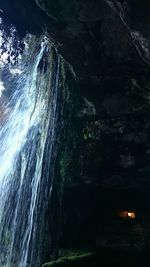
107	44
87	108
127	161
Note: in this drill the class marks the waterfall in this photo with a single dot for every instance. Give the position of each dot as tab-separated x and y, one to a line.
28	149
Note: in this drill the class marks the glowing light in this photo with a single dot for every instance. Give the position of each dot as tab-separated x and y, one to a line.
131	215
126	214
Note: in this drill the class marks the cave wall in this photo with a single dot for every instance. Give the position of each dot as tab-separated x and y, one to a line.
106	44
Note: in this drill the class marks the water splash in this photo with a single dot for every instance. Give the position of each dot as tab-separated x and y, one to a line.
27	137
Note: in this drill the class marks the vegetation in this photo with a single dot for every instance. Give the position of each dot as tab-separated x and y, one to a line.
71	261
103	258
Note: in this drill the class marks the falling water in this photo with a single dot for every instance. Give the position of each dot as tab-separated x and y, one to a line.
28	148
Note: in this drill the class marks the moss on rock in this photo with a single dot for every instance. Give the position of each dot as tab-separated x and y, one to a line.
80	260
104	258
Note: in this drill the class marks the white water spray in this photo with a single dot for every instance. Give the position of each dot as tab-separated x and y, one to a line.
30	122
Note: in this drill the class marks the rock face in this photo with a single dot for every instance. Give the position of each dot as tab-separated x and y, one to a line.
107	43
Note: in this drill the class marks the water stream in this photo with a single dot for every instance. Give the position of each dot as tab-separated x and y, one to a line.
28	148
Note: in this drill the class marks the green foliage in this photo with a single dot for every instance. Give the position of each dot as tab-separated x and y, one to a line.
91	130
6	237
70	261
64	163
63	82
86	133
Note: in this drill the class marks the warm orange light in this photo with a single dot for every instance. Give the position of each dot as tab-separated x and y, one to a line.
126	214
131	215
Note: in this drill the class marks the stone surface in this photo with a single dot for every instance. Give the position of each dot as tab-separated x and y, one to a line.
107	43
